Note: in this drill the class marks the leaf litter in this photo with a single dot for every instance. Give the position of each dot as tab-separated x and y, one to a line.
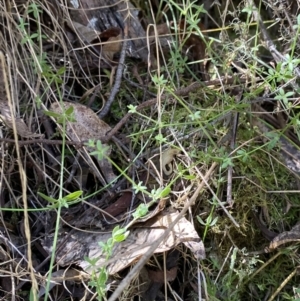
87	45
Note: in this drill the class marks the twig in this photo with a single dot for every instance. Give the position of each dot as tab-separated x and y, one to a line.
232	147
118	78
121	123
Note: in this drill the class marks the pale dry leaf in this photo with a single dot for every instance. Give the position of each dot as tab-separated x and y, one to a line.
87	126
21	127
125	253
87	34
167	157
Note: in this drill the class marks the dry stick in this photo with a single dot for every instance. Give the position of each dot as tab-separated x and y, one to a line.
232	146
121	287
281	286
118	78
121	123
230	168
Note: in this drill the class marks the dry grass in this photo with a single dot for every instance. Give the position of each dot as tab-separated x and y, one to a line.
43	63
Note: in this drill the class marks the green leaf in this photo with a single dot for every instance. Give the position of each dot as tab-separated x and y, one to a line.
63	202
34	8
25	40
52	114
212	223
117	230
32	297
201	221
33	36
132	109
101	150
166	191
248	9
118	234
160	138
92	283
110	242
103	276
274	138
90	143
61	70
139	187
227	162
74	195
69	111
140	211
47	198
121	237
101	244
189	177
91	261
288	94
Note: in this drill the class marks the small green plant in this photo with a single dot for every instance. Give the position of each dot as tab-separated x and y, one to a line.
62	201
101	150
99	276
66	201
196	123
67	115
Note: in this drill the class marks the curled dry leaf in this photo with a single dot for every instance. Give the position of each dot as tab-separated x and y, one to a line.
159	276
166	160
21	127
112	37
87	125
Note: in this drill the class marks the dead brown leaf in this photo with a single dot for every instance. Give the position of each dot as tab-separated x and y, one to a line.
159	276
87	126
